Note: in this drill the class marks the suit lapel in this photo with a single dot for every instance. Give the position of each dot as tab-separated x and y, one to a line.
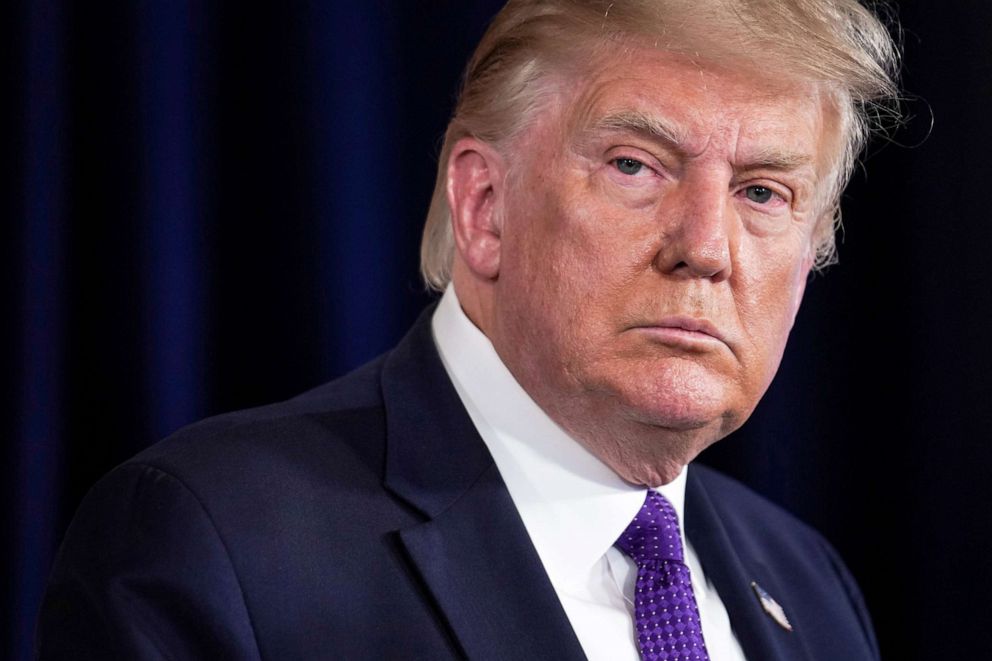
473	551
484	573
732	573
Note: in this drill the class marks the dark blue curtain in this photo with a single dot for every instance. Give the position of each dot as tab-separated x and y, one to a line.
212	205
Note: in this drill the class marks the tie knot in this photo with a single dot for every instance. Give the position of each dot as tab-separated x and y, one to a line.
654	532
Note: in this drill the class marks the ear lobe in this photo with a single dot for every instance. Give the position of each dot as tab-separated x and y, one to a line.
474	179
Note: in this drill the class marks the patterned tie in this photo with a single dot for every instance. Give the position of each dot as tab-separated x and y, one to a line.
665	611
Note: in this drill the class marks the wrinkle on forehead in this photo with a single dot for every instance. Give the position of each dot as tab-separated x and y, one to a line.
708	118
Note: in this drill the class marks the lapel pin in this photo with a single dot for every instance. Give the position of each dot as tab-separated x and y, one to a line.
772	607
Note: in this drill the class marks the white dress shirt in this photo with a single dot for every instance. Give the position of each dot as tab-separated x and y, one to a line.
573	506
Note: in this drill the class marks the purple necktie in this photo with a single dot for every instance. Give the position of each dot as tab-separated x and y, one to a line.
665	611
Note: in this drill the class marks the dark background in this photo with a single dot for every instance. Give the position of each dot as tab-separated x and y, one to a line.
209	205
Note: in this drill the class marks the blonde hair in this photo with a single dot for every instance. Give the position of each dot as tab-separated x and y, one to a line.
532	43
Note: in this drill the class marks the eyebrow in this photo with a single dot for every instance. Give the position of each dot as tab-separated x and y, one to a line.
656	129
637	122
775	159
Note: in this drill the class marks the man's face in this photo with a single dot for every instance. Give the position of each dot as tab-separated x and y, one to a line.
655	242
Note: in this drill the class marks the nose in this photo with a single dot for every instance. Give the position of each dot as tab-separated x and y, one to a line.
697	239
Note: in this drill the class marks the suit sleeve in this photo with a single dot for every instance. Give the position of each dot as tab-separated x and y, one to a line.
144	574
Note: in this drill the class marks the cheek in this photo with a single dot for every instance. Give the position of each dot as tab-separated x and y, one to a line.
770	307
541	280
552	253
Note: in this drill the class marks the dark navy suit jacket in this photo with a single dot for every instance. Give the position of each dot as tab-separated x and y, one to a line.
367	520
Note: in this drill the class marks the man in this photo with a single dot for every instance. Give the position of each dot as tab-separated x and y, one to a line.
630	198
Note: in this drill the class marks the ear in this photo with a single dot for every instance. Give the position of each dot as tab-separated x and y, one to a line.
475	178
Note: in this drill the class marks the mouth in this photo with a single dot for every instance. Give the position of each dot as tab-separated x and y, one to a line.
683	332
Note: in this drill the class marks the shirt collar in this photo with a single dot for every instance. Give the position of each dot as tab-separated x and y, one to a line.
573	505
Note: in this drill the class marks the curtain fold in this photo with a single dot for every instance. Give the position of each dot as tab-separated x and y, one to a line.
41	318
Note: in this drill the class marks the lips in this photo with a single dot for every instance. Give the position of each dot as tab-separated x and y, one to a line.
682	330
694	325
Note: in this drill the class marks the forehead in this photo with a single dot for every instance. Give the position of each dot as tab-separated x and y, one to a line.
700	107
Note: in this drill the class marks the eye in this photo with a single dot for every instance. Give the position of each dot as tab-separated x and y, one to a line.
628	165
759	194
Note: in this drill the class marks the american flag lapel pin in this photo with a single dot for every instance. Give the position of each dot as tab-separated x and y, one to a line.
772	607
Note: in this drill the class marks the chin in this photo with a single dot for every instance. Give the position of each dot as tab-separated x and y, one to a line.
678	392
654	419
680	406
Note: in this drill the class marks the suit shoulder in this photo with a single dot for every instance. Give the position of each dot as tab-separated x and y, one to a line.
739	505
337	427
